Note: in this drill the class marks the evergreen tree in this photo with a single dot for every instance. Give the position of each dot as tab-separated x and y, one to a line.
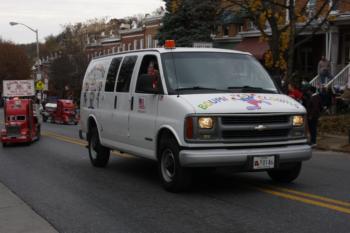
188	21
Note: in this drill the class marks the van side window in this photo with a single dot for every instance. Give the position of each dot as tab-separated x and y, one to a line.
125	74
112	74
149	67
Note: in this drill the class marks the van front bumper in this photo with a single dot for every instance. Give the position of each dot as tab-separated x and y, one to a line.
241	157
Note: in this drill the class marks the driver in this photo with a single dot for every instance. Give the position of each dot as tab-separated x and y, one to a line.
153	72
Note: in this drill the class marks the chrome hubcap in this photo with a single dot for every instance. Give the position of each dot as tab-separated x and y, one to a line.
93	145
168	165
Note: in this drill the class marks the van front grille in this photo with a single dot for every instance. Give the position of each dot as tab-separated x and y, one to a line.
237	120
249	134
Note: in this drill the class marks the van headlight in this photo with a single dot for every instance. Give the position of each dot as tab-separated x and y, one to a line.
205	122
298	121
201	128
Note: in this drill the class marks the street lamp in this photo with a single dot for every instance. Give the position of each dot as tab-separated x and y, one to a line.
37	38
37	49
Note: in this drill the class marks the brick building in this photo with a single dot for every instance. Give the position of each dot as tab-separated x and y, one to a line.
128	36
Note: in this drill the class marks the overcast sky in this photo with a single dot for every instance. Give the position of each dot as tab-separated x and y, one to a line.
49	15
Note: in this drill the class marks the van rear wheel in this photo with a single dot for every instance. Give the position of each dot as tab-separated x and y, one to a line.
99	155
174	178
287	173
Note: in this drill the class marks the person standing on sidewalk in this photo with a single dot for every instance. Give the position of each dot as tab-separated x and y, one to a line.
313	108
323	70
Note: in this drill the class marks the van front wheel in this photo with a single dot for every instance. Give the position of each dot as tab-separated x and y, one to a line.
174	178
99	155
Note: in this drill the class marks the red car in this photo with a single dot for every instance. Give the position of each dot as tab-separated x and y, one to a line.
21	125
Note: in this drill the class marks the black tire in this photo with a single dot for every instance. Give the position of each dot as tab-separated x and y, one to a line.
99	155
4	144
287	173
174	178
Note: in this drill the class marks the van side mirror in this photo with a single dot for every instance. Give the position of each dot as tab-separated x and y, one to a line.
148	84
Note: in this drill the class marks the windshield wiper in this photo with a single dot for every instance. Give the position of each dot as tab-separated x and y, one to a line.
254	89
198	88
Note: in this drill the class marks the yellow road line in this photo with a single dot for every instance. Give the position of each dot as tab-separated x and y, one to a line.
63	139
286	193
304	200
49	133
313	196
80	143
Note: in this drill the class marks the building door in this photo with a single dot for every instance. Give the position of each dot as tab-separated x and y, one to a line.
346	50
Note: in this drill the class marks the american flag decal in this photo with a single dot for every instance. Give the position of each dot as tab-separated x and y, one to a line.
141	103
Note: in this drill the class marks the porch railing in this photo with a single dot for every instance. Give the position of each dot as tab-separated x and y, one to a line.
315	82
341	79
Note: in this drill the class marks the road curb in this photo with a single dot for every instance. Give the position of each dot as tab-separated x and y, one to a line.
16	216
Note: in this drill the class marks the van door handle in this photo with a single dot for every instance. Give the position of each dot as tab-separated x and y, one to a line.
115	102
132	103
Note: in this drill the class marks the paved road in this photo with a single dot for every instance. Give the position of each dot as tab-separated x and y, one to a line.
55	178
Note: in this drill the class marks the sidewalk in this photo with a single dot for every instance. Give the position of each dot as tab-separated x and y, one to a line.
16	216
333	143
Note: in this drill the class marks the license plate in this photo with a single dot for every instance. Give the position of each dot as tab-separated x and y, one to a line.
263	162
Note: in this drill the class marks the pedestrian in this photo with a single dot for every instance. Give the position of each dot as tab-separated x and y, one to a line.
295	93
323	70
305	85
313	108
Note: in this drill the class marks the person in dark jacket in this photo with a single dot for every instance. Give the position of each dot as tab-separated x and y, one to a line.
313	108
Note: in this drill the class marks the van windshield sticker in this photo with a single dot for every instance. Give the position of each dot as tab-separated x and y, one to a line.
255	102
93	85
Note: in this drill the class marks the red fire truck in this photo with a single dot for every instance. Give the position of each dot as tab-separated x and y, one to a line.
21	124
61	112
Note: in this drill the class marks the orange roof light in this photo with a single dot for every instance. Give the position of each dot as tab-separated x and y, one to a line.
170	44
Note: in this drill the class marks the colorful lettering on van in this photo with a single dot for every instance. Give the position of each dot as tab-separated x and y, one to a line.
206	104
255	101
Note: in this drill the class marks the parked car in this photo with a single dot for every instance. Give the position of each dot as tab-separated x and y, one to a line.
191	107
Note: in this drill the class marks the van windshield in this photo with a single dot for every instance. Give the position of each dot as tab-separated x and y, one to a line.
212	72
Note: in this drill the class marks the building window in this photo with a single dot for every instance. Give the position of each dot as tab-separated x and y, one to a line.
155	44
311	5
225	30
251	26
149	41
135	44
333	5
141	43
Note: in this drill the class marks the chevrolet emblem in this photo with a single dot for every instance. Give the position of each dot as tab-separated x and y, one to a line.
260	128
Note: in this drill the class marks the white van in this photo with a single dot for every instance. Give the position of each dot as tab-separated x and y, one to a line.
189	107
